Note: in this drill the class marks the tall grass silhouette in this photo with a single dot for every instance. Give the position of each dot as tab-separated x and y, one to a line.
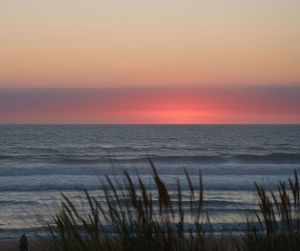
137	218
278	218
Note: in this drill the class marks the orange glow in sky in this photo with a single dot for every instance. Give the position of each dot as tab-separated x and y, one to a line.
148	43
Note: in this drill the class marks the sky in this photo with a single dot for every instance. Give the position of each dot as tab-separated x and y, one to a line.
154	61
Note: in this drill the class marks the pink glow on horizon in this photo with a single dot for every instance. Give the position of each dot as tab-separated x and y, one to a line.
152	105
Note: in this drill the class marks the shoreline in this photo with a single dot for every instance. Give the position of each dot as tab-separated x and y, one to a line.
13	245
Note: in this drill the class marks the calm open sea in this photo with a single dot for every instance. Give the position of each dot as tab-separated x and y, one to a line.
37	163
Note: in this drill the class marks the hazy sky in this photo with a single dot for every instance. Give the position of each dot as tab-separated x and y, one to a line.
109	43
166	44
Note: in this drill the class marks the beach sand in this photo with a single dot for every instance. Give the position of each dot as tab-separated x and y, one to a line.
9	245
13	245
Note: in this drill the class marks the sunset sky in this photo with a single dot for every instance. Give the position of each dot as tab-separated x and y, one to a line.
153	61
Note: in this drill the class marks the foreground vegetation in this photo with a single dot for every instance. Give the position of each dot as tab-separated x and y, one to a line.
140	219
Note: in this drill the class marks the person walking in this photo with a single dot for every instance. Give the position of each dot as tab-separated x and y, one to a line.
23	243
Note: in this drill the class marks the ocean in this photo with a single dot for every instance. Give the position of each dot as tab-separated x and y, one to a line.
39	162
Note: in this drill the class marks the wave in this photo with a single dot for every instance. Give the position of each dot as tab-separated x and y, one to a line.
6	157
94	186
273	158
15	202
168	170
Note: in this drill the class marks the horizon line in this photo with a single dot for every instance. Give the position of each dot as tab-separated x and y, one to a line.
138	124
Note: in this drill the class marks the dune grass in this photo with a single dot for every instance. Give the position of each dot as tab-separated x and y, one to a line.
278	218
145	220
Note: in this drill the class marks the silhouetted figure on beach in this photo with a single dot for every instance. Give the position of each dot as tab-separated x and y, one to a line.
23	243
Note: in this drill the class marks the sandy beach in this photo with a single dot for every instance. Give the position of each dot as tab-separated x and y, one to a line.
9	245
13	245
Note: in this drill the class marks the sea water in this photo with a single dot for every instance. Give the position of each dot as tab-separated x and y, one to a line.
39	162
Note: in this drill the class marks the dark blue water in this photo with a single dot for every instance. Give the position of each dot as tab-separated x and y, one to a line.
39	162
